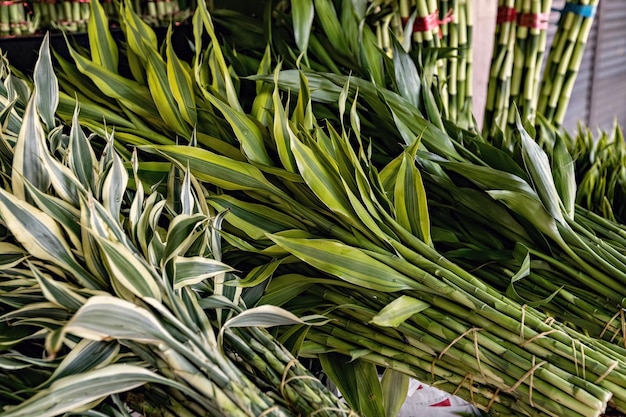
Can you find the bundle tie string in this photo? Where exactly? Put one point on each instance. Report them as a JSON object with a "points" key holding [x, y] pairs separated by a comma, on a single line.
{"points": [[534, 20], [269, 411], [286, 380], [530, 373], [584, 10], [474, 330], [506, 14], [528, 20], [607, 372], [430, 22], [492, 400], [350, 413], [468, 377], [608, 324]]}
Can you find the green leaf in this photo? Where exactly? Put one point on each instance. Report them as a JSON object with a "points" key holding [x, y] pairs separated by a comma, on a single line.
{"points": [[248, 133], [410, 200], [358, 381], [531, 208], [46, 91], [260, 274], [262, 104], [321, 175], [395, 388], [139, 35], [231, 92], [218, 170], [538, 167], [345, 262], [256, 220], [181, 84], [406, 75], [398, 311], [329, 20], [285, 288], [302, 14], [564, 172], [159, 84], [283, 135], [103, 48], [129, 93], [371, 56]]}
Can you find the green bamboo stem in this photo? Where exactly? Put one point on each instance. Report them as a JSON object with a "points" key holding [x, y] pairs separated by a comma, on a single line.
{"points": [[452, 38], [574, 67], [381, 345], [499, 86], [5, 20], [491, 354], [523, 7]]}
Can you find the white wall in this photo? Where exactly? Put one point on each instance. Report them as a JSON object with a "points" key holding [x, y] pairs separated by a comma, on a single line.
{"points": [[485, 12]]}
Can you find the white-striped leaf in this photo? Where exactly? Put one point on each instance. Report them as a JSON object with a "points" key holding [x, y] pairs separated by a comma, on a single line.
{"points": [[193, 270], [80, 156], [41, 236], [105, 317], [84, 356], [181, 234], [114, 186], [128, 270], [11, 255], [72, 392], [28, 153], [57, 292], [46, 92]]}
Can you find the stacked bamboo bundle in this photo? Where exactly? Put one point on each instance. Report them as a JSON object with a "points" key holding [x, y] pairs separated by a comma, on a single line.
{"points": [[17, 19]]}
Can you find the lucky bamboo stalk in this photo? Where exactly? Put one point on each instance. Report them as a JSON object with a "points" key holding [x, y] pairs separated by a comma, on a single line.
{"points": [[564, 59]]}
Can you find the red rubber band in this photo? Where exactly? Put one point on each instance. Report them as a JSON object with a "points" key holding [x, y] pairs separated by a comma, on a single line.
{"points": [[430, 22], [506, 14], [534, 20]]}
